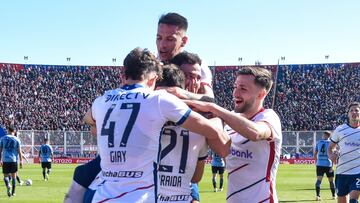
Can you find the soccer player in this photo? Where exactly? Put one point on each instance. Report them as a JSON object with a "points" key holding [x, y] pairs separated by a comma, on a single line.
{"points": [[217, 167], [323, 165], [9, 154], [24, 157], [171, 38], [46, 156], [183, 152], [256, 138], [129, 121], [347, 138]]}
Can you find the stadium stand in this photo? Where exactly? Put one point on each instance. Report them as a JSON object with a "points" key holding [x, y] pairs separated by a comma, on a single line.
{"points": [[49, 97]]}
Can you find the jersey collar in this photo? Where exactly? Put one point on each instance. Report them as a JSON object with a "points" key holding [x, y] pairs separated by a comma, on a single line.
{"points": [[261, 110], [130, 87]]}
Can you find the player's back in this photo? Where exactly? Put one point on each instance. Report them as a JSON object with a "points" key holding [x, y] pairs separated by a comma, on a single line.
{"points": [[45, 153], [217, 160], [10, 146], [180, 152], [129, 121], [322, 157]]}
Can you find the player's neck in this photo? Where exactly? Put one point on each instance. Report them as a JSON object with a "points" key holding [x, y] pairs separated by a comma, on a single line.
{"points": [[130, 82], [354, 124], [249, 115]]}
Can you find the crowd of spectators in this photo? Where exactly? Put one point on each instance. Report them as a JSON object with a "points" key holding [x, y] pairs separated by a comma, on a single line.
{"points": [[306, 97], [315, 97], [45, 97]]}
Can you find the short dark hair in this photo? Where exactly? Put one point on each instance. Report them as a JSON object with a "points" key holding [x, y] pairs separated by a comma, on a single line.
{"points": [[186, 58], [46, 139], [263, 77], [11, 129], [353, 104], [328, 133], [139, 62], [172, 76], [174, 19]]}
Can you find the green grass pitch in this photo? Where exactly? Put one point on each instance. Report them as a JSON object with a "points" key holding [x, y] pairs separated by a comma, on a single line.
{"points": [[295, 183]]}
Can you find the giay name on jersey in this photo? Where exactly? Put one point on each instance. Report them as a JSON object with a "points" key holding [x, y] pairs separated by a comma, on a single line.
{"points": [[118, 156]]}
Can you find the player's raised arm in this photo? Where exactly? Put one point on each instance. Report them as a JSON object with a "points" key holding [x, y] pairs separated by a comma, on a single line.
{"points": [[252, 130], [221, 145], [198, 124]]}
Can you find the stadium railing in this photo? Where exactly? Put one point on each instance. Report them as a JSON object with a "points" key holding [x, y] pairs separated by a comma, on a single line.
{"points": [[296, 144]]}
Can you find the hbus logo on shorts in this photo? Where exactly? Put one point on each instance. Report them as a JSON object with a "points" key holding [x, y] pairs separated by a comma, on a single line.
{"points": [[242, 154], [174, 198], [122, 174]]}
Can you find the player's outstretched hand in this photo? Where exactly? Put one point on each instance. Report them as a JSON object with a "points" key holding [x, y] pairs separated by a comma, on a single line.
{"points": [[177, 91], [199, 105], [21, 165]]}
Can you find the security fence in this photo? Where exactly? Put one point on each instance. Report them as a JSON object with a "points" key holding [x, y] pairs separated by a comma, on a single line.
{"points": [[83, 144]]}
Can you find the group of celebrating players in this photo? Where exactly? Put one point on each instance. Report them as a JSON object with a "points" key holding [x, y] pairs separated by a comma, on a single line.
{"points": [[154, 131], [153, 146]]}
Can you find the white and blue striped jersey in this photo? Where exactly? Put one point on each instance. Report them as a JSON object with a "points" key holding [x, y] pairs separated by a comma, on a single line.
{"points": [[180, 152], [252, 166], [322, 156], [45, 153], [129, 121], [348, 140], [10, 146]]}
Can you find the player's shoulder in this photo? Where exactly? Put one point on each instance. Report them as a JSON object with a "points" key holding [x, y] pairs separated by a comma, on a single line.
{"points": [[164, 95], [322, 142], [17, 139], [270, 116], [270, 112], [108, 93], [341, 127]]}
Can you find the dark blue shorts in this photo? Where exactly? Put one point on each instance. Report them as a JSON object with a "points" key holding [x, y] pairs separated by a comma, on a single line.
{"points": [[88, 196], [85, 174], [217, 169], [10, 167], [46, 165], [321, 170], [347, 183]]}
